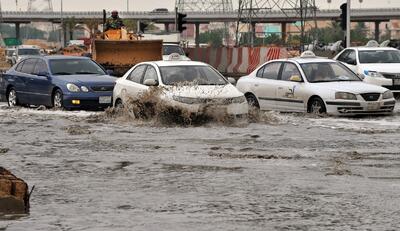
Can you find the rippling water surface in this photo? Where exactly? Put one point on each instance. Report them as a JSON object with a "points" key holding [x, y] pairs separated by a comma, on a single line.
{"points": [[286, 172]]}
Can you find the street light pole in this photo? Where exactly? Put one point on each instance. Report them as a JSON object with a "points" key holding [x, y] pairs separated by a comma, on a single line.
{"points": [[348, 23], [62, 37]]}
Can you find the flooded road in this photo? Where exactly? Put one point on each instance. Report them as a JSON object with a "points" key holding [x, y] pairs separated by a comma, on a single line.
{"points": [[292, 172]]}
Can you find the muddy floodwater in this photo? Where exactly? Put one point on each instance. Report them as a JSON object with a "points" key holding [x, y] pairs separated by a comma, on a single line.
{"points": [[287, 172]]}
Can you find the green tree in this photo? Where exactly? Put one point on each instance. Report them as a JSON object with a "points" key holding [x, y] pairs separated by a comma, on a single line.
{"points": [[359, 33], [329, 34], [212, 37], [131, 25], [69, 25]]}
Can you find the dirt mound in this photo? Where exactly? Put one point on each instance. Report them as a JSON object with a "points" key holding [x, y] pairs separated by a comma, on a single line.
{"points": [[14, 197]]}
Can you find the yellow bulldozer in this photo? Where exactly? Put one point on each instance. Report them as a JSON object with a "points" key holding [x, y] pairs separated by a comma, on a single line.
{"points": [[118, 50]]}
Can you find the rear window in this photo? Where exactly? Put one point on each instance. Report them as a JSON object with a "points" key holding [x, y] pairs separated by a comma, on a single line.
{"points": [[28, 51], [169, 49]]}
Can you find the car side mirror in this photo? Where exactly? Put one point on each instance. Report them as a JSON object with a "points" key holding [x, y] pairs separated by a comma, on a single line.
{"points": [[362, 76], [150, 82], [352, 62], [295, 78], [43, 73], [110, 72], [232, 80]]}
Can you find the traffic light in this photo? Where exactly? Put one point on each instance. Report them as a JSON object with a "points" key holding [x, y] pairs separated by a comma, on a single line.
{"points": [[142, 27], [343, 16], [181, 21]]}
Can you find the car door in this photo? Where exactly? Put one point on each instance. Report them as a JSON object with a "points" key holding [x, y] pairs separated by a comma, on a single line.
{"points": [[17, 79], [29, 96], [290, 94], [40, 83], [131, 87], [265, 85]]}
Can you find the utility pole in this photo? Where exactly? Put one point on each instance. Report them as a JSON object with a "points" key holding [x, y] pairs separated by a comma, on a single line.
{"points": [[127, 5], [348, 23], [63, 34]]}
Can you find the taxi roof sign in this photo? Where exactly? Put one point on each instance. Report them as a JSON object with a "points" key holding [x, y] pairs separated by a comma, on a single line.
{"points": [[372, 43], [174, 57], [308, 54]]}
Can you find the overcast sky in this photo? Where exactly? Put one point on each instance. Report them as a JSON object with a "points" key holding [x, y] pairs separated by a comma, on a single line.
{"points": [[146, 5]]}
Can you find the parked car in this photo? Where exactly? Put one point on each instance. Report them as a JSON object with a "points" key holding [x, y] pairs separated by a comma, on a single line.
{"points": [[160, 11], [25, 51], [314, 85], [9, 55], [58, 81], [376, 65], [171, 48], [194, 86]]}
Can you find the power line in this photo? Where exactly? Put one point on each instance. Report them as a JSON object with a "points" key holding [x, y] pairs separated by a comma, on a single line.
{"points": [[250, 10]]}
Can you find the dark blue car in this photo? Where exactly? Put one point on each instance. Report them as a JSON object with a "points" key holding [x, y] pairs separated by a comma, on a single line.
{"points": [[59, 82]]}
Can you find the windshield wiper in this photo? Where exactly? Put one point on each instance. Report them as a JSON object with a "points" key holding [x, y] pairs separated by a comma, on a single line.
{"points": [[323, 81], [86, 73], [62, 73]]}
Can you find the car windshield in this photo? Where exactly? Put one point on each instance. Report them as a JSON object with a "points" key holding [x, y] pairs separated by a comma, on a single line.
{"points": [[75, 67], [379, 56], [169, 49], [28, 52], [191, 75], [328, 72]]}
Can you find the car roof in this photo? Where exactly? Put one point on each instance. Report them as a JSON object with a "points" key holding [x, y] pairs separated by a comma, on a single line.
{"points": [[178, 63], [59, 57], [373, 48], [301, 60], [171, 44]]}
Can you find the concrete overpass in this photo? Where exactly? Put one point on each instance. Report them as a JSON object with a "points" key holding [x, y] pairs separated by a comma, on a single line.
{"points": [[197, 18], [364, 15]]}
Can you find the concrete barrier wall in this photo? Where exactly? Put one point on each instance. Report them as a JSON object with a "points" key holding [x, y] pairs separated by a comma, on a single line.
{"points": [[236, 60]]}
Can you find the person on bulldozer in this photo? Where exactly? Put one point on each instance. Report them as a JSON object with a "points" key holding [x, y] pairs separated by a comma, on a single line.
{"points": [[114, 22]]}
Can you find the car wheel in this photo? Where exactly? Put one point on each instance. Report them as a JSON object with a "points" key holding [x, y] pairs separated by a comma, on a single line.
{"points": [[58, 99], [12, 98], [317, 106], [252, 101], [119, 104]]}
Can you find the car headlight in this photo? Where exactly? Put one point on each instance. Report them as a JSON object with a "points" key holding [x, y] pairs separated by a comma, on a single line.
{"points": [[72, 87], [240, 99], [374, 74], [388, 95], [84, 89], [345, 96]]}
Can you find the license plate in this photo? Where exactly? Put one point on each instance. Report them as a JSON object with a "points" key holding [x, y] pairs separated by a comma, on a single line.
{"points": [[396, 81], [104, 99], [373, 106]]}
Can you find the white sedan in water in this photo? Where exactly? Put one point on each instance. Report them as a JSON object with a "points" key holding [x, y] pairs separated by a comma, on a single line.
{"points": [[315, 85], [376, 65], [194, 86]]}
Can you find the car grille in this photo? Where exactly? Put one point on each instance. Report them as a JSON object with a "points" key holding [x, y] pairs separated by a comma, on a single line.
{"points": [[391, 75], [218, 101], [102, 88], [371, 96]]}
